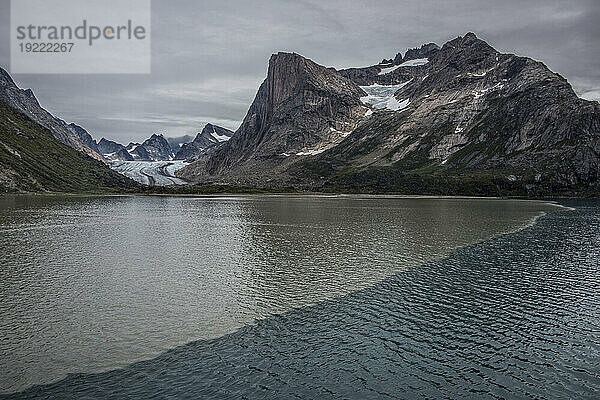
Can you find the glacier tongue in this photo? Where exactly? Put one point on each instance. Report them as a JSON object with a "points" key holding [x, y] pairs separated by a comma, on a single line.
{"points": [[152, 173]]}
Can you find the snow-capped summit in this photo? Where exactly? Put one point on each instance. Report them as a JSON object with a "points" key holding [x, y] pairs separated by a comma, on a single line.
{"points": [[204, 143], [155, 148]]}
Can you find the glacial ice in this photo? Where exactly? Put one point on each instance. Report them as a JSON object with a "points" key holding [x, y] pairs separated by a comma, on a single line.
{"points": [[382, 97], [159, 173]]}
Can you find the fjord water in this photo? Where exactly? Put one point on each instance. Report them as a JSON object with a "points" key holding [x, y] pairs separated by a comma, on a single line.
{"points": [[315, 296]]}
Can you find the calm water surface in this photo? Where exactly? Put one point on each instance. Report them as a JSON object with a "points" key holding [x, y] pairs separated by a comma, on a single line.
{"points": [[264, 297]]}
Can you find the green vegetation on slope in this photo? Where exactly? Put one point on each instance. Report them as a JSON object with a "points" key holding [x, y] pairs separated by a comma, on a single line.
{"points": [[32, 160]]}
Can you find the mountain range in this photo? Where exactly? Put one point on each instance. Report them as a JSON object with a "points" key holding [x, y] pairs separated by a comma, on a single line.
{"points": [[159, 148], [33, 160], [56, 156], [155, 148], [462, 118]]}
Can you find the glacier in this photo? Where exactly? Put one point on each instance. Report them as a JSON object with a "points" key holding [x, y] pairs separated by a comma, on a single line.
{"points": [[152, 173]]}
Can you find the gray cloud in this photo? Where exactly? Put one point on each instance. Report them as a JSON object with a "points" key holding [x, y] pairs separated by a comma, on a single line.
{"points": [[208, 57]]}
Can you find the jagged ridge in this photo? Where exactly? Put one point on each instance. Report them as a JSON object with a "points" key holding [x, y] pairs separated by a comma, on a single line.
{"points": [[467, 113], [25, 101]]}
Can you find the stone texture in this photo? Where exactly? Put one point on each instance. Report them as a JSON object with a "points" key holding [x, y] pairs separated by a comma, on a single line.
{"points": [[473, 111], [300, 107]]}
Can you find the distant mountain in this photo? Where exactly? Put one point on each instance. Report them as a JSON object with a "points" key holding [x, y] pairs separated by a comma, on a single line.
{"points": [[108, 146], [25, 101], [81, 134], [159, 148], [211, 137], [177, 142], [155, 148], [460, 119], [33, 160], [113, 151]]}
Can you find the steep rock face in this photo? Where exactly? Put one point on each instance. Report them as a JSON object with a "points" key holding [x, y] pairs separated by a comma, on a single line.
{"points": [[466, 119], [205, 143], [25, 101], [301, 107]]}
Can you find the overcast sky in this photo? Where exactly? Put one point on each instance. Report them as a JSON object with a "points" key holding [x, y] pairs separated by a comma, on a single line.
{"points": [[209, 57]]}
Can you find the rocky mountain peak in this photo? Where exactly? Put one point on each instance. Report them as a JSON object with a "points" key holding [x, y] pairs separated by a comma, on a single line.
{"points": [[463, 112], [29, 93], [284, 73], [155, 148], [209, 129], [214, 133], [466, 54], [470, 36], [289, 74], [428, 50], [468, 42], [206, 142]]}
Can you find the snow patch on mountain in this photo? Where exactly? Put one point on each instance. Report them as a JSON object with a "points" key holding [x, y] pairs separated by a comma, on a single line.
{"points": [[409, 63], [387, 70], [382, 96], [309, 152], [343, 133], [219, 138], [415, 63]]}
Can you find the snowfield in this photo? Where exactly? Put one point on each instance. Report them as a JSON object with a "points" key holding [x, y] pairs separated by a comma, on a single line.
{"points": [[409, 63], [415, 63], [382, 97], [152, 173], [310, 152], [219, 138]]}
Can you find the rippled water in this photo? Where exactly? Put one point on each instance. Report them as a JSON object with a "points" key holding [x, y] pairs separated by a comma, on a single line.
{"points": [[513, 316]]}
